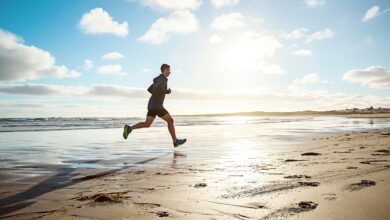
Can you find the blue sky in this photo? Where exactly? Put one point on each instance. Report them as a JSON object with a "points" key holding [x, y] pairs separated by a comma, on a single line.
{"points": [[225, 55]]}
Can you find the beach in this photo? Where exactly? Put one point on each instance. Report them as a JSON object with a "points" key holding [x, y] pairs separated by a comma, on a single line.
{"points": [[192, 109], [231, 168]]}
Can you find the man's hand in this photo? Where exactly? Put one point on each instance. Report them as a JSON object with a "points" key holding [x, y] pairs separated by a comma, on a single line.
{"points": [[169, 91]]}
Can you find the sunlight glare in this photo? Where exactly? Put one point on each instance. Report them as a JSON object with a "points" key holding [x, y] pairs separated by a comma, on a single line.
{"points": [[248, 52]]}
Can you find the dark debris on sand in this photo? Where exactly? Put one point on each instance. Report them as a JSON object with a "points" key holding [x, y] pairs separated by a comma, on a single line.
{"points": [[307, 205], [303, 206], [297, 177], [292, 160], [361, 185], [310, 154], [372, 161], [342, 152], [314, 184], [284, 213], [162, 214], [383, 151], [114, 197], [200, 185]]}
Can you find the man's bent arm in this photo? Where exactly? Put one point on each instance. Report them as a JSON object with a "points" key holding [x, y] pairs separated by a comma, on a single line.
{"points": [[161, 87]]}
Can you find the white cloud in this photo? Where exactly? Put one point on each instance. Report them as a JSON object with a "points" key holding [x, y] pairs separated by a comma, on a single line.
{"points": [[228, 21], [98, 21], [22, 62], [312, 78], [172, 4], [88, 64], [320, 35], [315, 3], [296, 34], [154, 37], [111, 96], [295, 97], [113, 56], [100, 90], [373, 77], [371, 13], [111, 69], [221, 3], [214, 39], [42, 89], [108, 90], [303, 52], [181, 21]]}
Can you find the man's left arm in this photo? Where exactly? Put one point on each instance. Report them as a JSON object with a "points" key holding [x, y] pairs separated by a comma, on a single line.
{"points": [[168, 91]]}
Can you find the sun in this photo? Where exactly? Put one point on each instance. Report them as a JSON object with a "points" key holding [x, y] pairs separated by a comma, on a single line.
{"points": [[249, 52]]}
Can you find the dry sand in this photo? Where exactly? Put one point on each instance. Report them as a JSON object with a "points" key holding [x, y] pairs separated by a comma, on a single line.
{"points": [[338, 176]]}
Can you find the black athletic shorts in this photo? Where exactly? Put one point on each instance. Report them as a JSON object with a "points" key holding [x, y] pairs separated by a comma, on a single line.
{"points": [[158, 112]]}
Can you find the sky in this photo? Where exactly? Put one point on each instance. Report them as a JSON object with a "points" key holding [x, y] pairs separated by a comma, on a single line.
{"points": [[96, 58]]}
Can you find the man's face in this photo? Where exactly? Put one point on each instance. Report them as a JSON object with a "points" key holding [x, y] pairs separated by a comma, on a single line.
{"points": [[167, 72]]}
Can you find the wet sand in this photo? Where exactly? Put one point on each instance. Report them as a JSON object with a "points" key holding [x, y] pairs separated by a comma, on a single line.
{"points": [[335, 176]]}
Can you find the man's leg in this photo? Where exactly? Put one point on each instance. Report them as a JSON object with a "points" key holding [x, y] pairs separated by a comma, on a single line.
{"points": [[127, 129], [149, 120], [168, 118]]}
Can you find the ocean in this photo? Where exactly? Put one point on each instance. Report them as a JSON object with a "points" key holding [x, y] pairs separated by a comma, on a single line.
{"points": [[37, 146]]}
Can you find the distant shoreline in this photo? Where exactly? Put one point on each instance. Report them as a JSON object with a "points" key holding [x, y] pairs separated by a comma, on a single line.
{"points": [[298, 113], [352, 113]]}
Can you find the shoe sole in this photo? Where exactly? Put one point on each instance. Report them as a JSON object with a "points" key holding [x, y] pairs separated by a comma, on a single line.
{"points": [[180, 144]]}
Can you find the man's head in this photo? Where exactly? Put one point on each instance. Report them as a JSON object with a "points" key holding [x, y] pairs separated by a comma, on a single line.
{"points": [[165, 70]]}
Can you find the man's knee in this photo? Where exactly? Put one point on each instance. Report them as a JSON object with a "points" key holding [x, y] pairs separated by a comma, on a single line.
{"points": [[170, 121], [147, 124]]}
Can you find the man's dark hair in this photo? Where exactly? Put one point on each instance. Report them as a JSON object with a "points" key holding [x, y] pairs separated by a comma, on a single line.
{"points": [[164, 66]]}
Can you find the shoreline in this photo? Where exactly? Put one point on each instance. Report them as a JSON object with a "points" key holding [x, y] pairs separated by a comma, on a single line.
{"points": [[259, 114], [333, 175]]}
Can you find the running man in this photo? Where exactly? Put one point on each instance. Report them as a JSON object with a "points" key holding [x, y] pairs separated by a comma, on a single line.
{"points": [[155, 107]]}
